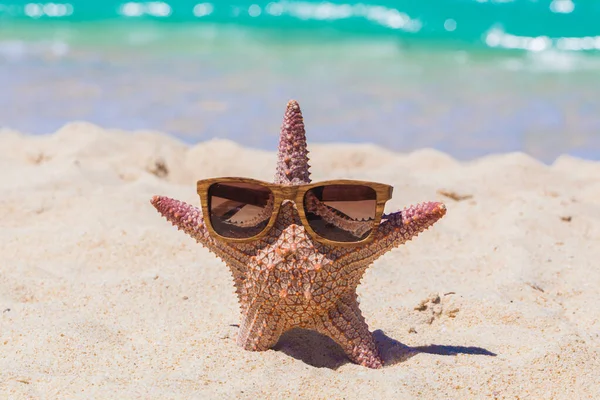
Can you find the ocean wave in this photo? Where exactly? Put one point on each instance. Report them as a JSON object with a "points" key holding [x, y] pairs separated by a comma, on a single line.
{"points": [[563, 25]]}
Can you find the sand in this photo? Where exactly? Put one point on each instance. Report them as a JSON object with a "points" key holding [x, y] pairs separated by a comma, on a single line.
{"points": [[100, 297]]}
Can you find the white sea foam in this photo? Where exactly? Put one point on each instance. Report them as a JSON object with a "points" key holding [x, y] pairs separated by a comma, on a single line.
{"points": [[498, 38], [380, 15]]}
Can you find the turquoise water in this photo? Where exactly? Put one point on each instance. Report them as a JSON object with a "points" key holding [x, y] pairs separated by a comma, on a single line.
{"points": [[469, 77], [464, 21]]}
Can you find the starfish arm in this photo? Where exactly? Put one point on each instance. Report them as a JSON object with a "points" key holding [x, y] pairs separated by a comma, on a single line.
{"points": [[347, 327], [292, 159], [190, 220], [396, 229], [260, 329], [400, 227]]}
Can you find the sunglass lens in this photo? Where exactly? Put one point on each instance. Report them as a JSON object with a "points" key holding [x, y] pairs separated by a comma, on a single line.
{"points": [[239, 210], [342, 213]]}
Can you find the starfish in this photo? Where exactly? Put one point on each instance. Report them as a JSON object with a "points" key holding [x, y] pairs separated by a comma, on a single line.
{"points": [[287, 280]]}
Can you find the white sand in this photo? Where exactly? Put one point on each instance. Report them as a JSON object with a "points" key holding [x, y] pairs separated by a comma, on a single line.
{"points": [[100, 297]]}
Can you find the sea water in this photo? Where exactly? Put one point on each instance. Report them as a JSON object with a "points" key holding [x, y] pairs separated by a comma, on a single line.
{"points": [[469, 77]]}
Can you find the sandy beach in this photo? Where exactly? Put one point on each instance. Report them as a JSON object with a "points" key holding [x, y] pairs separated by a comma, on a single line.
{"points": [[100, 297]]}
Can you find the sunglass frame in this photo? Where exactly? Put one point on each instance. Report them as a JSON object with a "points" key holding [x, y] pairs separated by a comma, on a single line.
{"points": [[296, 194]]}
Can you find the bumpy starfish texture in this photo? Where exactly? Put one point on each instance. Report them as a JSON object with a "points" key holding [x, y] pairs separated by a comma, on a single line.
{"points": [[286, 279]]}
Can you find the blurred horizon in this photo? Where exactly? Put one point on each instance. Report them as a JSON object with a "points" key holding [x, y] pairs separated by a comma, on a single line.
{"points": [[468, 77]]}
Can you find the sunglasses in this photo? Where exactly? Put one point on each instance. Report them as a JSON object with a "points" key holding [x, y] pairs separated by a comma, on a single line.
{"points": [[341, 212]]}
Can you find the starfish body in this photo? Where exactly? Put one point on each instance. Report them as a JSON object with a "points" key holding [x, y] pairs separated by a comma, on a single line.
{"points": [[286, 279]]}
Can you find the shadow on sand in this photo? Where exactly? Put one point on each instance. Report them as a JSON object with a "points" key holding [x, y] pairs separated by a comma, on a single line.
{"points": [[322, 352]]}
